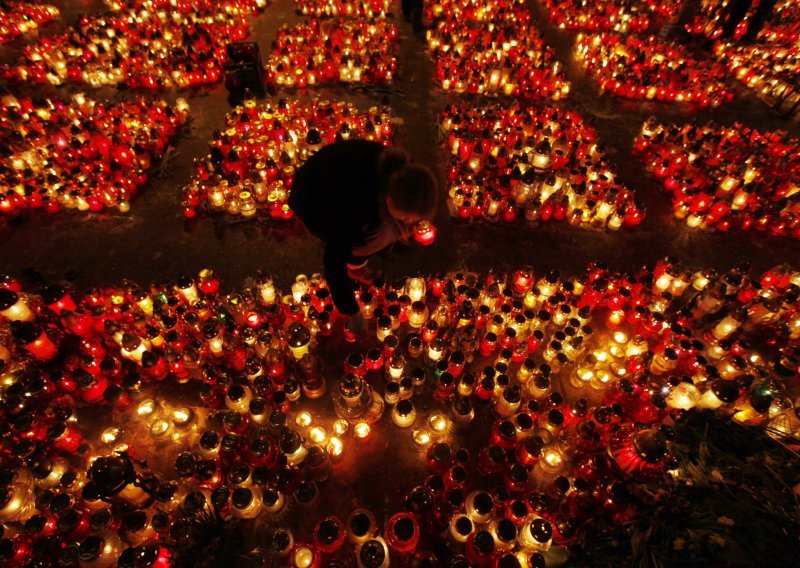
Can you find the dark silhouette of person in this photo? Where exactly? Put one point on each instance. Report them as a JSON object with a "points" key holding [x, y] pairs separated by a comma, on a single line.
{"points": [[736, 11], [359, 197]]}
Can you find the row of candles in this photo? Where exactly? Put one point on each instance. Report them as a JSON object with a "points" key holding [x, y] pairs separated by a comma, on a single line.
{"points": [[618, 16], [769, 65], [651, 68], [542, 164], [81, 154], [768, 69], [18, 19], [494, 52], [324, 51], [370, 9], [152, 46], [582, 379], [251, 163], [475, 12], [726, 176], [232, 7], [712, 15], [784, 24]]}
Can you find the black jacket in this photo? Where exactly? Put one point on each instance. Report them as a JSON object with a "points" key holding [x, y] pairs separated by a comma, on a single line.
{"points": [[338, 194]]}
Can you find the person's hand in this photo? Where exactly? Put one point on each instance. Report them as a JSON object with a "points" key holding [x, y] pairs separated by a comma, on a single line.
{"points": [[356, 325]]}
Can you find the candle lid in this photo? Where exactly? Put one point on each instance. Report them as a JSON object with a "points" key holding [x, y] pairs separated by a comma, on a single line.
{"points": [[508, 560], [147, 554], [306, 491], [270, 497], [506, 530], [404, 528], [350, 385], [484, 542], [69, 556], [483, 503], [328, 531], [241, 497], [25, 332], [419, 500], [372, 554], [464, 525], [298, 335], [68, 521], [541, 530], [281, 540], [110, 474], [90, 548], [7, 298], [441, 452], [128, 558], [726, 391]]}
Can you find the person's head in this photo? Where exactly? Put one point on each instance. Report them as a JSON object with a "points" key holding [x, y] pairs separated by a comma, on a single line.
{"points": [[411, 194]]}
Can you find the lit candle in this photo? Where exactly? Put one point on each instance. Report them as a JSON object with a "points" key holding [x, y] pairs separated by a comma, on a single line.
{"points": [[437, 424], [183, 418], [13, 306], [361, 431], [404, 414], [421, 438]]}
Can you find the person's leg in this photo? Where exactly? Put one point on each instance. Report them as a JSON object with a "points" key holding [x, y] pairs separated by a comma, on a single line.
{"points": [[358, 270], [416, 14], [759, 18], [407, 6]]}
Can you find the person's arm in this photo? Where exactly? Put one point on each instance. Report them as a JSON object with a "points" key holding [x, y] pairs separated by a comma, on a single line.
{"points": [[334, 261]]}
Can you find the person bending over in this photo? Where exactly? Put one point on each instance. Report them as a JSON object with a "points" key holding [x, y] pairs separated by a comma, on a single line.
{"points": [[359, 197]]}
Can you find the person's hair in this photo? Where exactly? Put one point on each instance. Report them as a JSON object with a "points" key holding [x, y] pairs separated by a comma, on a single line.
{"points": [[413, 189], [392, 159]]}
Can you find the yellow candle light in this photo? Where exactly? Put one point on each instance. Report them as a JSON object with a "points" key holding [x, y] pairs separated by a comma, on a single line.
{"points": [[437, 424], [304, 419], [421, 438], [148, 408], [14, 307], [183, 418], [340, 426], [111, 435], [317, 434], [361, 431], [335, 447]]}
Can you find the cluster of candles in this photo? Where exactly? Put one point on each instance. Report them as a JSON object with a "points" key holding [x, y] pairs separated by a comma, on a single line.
{"points": [[251, 163], [726, 176], [564, 389], [473, 10], [325, 51], [541, 164], [770, 70], [784, 24], [619, 16], [709, 19], [650, 68], [769, 66], [154, 46], [232, 7], [493, 49], [81, 154], [344, 8], [19, 19]]}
